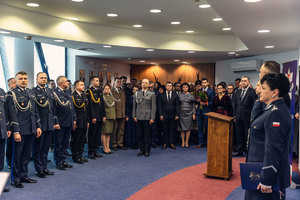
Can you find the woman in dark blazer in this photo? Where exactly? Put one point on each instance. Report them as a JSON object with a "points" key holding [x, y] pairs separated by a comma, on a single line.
{"points": [[221, 102]]}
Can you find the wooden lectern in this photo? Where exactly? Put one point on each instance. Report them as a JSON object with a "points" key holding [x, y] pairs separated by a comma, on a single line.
{"points": [[219, 145]]}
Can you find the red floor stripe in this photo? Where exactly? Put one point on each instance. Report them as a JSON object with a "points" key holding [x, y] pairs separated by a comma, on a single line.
{"points": [[190, 183]]}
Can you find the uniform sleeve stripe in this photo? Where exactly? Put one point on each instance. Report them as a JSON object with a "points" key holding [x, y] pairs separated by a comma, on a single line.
{"points": [[270, 166]]}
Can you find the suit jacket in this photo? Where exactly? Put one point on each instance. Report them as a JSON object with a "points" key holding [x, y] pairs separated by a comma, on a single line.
{"points": [[48, 112], [24, 122], [168, 109], [96, 104], [82, 109], [4, 123], [64, 108], [210, 97], [144, 106], [242, 110], [120, 105], [269, 143]]}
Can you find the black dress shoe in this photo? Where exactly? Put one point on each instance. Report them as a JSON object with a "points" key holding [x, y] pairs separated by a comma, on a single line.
{"points": [[98, 155], [6, 190], [60, 167], [172, 146], [67, 165], [17, 184], [47, 172], [114, 148], [106, 152], [141, 153], [164, 146], [147, 154], [84, 159], [92, 157], [236, 154], [41, 174], [28, 180], [68, 154], [79, 161]]}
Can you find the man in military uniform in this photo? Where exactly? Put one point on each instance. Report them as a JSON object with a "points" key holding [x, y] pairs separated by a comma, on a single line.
{"points": [[96, 115], [81, 103], [143, 113], [117, 136], [25, 123], [4, 130], [47, 111], [67, 120]]}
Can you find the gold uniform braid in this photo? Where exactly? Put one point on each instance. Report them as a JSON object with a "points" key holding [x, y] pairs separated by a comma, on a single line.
{"points": [[92, 96], [82, 105]]}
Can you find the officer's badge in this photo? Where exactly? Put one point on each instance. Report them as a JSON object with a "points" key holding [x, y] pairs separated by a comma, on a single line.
{"points": [[254, 176], [22, 104], [63, 102], [274, 108], [41, 101]]}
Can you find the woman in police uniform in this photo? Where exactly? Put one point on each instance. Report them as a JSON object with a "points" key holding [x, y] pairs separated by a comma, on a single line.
{"points": [[108, 125], [269, 139]]}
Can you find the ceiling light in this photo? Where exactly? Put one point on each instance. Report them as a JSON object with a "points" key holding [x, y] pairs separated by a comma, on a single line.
{"points": [[5, 32], [77, 0], [73, 18], [155, 11], [204, 6], [226, 29], [191, 51], [142, 61], [252, 1], [217, 19], [32, 5], [176, 60], [106, 46], [150, 50], [189, 31], [269, 47], [112, 15], [263, 31], [58, 40], [231, 53], [153, 63], [137, 26], [175, 23], [185, 62]]}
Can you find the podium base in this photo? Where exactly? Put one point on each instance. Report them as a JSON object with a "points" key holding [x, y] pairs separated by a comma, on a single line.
{"points": [[225, 177]]}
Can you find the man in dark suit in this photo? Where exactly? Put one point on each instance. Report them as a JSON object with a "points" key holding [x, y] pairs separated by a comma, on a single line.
{"points": [[67, 120], [47, 110], [79, 137], [206, 108], [4, 130], [168, 109], [242, 105], [143, 113], [25, 124]]}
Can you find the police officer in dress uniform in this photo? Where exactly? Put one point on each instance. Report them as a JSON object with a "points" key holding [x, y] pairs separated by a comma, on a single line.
{"points": [[47, 111], [269, 140], [25, 124], [67, 120], [96, 114], [81, 104], [4, 129]]}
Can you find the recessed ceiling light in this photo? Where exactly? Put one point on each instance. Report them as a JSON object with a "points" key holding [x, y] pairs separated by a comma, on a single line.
{"points": [[142, 61], [217, 19], [155, 10], [226, 29], [252, 1], [191, 51], [269, 47], [204, 6], [176, 60], [32, 5], [106, 46], [73, 18], [231, 53], [175, 23], [137, 26], [112, 15], [5, 32], [150, 50], [263, 31], [77, 0], [189, 31], [58, 40]]}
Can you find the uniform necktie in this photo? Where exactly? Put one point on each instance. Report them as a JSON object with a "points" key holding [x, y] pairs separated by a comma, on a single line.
{"points": [[143, 93], [169, 96]]}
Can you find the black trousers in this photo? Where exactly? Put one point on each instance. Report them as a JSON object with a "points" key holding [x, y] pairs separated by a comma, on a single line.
{"points": [[62, 137], [168, 131], [9, 149], [21, 157], [144, 134], [41, 149], [2, 152], [94, 137], [257, 195], [242, 135], [78, 142]]}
